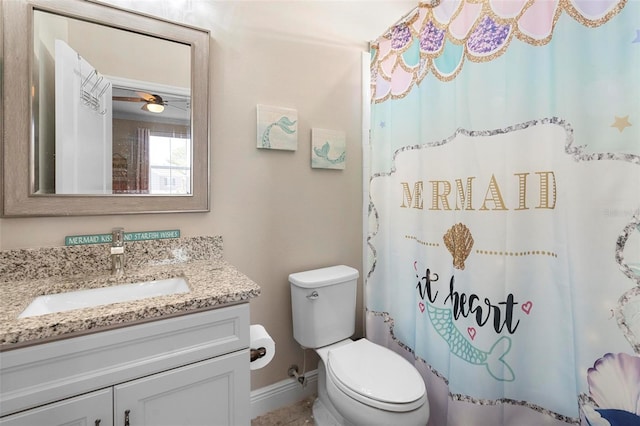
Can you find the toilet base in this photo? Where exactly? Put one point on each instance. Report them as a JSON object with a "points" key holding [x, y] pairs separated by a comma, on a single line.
{"points": [[322, 416], [324, 413]]}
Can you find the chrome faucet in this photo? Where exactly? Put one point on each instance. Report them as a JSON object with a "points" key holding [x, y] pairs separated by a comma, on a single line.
{"points": [[117, 251]]}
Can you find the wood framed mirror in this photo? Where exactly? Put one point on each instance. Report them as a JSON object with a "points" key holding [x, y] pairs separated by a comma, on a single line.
{"points": [[105, 111]]}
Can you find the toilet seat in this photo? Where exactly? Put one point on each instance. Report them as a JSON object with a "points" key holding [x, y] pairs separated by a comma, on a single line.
{"points": [[376, 376]]}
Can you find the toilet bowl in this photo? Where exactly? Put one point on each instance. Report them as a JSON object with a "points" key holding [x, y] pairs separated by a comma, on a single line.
{"points": [[359, 382]]}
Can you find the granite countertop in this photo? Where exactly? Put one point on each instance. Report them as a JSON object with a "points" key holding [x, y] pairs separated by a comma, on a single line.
{"points": [[213, 283]]}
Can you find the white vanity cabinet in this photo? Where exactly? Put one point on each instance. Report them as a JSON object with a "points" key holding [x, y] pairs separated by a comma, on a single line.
{"points": [[92, 409], [200, 394], [186, 370]]}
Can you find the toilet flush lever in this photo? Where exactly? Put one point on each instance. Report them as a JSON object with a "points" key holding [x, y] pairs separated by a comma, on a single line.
{"points": [[313, 296]]}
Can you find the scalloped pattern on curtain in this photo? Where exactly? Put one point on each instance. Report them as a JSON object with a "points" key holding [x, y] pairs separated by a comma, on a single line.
{"points": [[439, 38]]}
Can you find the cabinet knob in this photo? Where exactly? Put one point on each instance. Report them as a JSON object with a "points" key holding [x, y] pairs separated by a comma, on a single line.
{"points": [[98, 422], [126, 417]]}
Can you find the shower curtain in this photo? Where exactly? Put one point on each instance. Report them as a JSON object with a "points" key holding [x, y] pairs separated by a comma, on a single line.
{"points": [[504, 208]]}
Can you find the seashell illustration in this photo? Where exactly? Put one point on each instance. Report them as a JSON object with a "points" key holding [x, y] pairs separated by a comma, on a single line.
{"points": [[614, 383], [459, 241]]}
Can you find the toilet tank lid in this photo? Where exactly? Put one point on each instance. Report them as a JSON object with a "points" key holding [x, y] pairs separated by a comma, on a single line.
{"points": [[323, 276]]}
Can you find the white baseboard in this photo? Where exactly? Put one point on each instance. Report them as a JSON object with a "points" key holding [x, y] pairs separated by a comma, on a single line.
{"points": [[282, 393]]}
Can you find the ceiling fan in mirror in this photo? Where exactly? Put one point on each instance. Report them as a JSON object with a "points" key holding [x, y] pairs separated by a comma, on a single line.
{"points": [[154, 102], [151, 104]]}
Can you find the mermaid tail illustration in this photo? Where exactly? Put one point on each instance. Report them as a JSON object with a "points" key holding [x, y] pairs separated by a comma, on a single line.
{"points": [[324, 153], [462, 348], [285, 124]]}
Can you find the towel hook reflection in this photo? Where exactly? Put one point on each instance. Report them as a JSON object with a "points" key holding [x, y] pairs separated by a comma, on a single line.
{"points": [[94, 97]]}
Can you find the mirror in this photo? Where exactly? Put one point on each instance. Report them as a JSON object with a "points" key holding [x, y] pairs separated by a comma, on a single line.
{"points": [[113, 116]]}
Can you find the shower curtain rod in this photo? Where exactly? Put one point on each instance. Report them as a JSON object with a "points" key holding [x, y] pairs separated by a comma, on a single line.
{"points": [[399, 21], [403, 19]]}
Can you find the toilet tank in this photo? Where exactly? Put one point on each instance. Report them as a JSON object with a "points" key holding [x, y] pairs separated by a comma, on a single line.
{"points": [[323, 303]]}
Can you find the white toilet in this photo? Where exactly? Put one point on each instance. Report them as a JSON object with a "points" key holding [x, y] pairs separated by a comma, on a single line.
{"points": [[359, 382]]}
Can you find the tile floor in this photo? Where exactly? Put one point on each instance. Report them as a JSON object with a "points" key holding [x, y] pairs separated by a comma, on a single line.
{"points": [[298, 414]]}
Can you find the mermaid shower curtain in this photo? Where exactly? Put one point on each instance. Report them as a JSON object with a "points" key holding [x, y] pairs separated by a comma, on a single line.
{"points": [[504, 239]]}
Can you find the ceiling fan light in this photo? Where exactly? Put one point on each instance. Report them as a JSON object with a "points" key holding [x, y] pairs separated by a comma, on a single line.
{"points": [[151, 107]]}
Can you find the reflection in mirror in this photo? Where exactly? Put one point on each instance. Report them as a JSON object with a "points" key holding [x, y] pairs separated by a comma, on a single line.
{"points": [[120, 67], [112, 109]]}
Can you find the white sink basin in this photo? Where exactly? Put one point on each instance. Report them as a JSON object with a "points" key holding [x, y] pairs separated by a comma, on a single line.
{"points": [[62, 302]]}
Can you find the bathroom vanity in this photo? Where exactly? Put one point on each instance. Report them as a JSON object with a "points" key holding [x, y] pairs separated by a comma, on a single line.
{"points": [[180, 359], [187, 370]]}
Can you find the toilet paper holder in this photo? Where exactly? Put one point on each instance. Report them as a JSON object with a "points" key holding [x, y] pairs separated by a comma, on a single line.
{"points": [[257, 353], [262, 348]]}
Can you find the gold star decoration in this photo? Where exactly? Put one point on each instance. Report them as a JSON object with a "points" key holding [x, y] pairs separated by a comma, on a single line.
{"points": [[621, 123]]}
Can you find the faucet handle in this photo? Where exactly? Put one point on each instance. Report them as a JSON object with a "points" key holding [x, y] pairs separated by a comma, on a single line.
{"points": [[117, 237], [117, 251]]}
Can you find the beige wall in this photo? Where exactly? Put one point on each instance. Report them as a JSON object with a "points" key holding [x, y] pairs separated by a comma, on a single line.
{"points": [[275, 213]]}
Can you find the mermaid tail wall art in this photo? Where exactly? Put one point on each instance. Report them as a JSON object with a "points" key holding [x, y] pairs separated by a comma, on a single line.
{"points": [[329, 149], [277, 128]]}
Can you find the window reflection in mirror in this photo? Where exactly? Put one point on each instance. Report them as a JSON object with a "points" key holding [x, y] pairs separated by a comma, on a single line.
{"points": [[96, 116], [169, 166]]}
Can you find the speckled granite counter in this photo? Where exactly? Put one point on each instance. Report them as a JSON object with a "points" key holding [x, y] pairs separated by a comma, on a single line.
{"points": [[28, 273]]}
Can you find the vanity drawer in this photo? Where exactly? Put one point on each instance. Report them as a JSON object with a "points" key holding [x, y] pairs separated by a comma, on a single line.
{"points": [[48, 372]]}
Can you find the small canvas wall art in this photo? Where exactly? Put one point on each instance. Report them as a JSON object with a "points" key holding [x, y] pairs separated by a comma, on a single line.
{"points": [[328, 149], [277, 128]]}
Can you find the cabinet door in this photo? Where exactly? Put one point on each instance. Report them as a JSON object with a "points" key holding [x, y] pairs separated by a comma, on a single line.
{"points": [[92, 409], [211, 392]]}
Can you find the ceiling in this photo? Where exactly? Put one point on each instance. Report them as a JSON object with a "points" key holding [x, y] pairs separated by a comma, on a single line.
{"points": [[334, 21]]}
